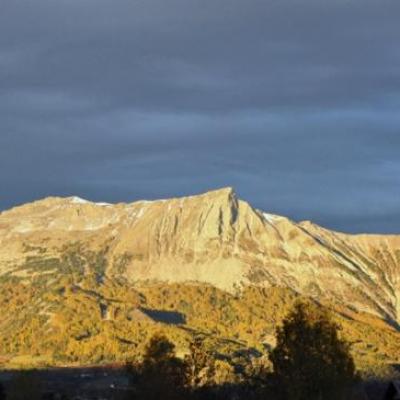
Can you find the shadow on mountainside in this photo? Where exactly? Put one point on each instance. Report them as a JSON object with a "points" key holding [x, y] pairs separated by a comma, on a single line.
{"points": [[166, 317]]}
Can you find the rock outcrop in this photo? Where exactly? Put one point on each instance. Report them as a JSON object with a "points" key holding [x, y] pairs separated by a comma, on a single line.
{"points": [[213, 238]]}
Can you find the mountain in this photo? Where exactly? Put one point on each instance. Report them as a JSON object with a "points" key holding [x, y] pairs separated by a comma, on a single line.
{"points": [[152, 262]]}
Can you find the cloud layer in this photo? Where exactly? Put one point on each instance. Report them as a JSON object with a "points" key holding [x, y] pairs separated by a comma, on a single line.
{"points": [[294, 103]]}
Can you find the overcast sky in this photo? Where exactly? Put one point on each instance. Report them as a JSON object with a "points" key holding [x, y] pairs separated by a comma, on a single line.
{"points": [[296, 104]]}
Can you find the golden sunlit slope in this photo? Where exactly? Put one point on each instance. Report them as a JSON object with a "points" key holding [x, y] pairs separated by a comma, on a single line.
{"points": [[62, 258], [213, 238]]}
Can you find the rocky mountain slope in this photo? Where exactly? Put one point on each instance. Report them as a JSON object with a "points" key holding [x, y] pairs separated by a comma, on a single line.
{"points": [[213, 239]]}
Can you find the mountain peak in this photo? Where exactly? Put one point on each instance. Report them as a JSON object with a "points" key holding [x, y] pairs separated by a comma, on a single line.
{"points": [[224, 191], [214, 238], [227, 192]]}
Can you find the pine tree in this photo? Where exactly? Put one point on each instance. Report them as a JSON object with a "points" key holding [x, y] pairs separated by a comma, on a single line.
{"points": [[161, 375], [310, 361]]}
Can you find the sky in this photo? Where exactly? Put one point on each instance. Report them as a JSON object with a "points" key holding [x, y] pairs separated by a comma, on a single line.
{"points": [[294, 103]]}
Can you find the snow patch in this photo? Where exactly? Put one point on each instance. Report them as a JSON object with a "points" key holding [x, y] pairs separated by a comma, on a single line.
{"points": [[78, 200], [271, 218]]}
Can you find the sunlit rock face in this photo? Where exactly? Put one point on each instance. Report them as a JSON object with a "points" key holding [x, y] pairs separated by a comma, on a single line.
{"points": [[212, 238]]}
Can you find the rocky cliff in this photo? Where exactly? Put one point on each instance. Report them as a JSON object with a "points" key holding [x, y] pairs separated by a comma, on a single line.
{"points": [[212, 238]]}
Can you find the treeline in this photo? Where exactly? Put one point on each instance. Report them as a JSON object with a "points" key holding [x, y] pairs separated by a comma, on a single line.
{"points": [[309, 362]]}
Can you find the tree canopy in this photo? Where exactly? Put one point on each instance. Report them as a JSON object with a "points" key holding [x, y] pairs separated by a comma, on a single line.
{"points": [[162, 374], [310, 360]]}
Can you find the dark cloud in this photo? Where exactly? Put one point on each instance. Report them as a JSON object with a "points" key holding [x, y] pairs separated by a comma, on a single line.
{"points": [[295, 103]]}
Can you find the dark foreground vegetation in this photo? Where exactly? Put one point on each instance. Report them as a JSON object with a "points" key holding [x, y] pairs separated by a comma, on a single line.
{"points": [[309, 362]]}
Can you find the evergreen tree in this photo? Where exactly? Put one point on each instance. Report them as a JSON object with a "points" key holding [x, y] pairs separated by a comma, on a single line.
{"points": [[161, 375], [310, 361]]}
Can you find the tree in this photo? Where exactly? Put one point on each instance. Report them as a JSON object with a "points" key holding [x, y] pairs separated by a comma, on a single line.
{"points": [[158, 349], [161, 375], [310, 361], [200, 364]]}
